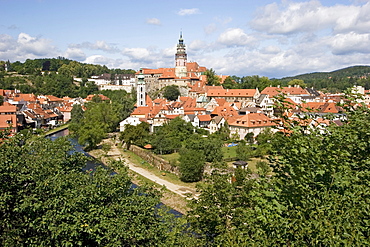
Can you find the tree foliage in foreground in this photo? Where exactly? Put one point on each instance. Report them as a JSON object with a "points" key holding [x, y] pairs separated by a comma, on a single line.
{"points": [[318, 195], [46, 200]]}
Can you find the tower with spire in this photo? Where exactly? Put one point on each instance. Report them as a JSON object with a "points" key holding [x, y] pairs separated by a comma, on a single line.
{"points": [[181, 59]]}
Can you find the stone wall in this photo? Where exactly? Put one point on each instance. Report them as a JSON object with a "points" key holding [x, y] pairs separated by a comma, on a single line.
{"points": [[154, 160]]}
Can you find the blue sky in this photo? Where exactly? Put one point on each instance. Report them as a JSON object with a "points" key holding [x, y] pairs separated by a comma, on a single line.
{"points": [[234, 37]]}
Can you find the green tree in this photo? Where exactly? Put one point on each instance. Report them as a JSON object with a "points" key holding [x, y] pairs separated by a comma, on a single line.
{"points": [[243, 151], [47, 201], [209, 146], [171, 92], [98, 119], [135, 134], [223, 133], [264, 140], [317, 196], [212, 78], [297, 82], [229, 83], [191, 165], [171, 136]]}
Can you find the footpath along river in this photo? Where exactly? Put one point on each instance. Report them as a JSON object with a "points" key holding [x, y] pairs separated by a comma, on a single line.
{"points": [[91, 165]]}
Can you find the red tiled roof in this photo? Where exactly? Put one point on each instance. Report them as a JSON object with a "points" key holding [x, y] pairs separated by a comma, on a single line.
{"points": [[225, 111], [26, 97], [8, 108], [65, 108], [253, 120], [273, 91], [5, 120], [231, 92], [172, 116], [204, 118], [103, 97], [53, 98], [148, 111], [194, 67]]}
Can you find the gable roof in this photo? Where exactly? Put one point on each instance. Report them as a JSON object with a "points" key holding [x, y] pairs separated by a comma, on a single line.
{"points": [[7, 120], [231, 92], [103, 97], [204, 118], [8, 109], [253, 120], [225, 111], [194, 67], [25, 97], [273, 91], [217, 119]]}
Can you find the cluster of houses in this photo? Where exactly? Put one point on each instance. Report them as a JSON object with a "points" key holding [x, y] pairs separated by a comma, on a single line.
{"points": [[19, 111], [246, 111]]}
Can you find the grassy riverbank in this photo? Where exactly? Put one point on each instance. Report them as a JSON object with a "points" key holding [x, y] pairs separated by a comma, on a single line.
{"points": [[169, 198], [57, 129]]}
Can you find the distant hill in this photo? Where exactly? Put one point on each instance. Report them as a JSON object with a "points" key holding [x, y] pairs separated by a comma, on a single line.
{"points": [[353, 71], [337, 80]]}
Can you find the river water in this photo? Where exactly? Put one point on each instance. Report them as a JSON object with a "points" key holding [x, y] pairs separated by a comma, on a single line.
{"points": [[91, 165]]}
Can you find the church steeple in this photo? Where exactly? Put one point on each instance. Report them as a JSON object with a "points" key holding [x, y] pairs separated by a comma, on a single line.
{"points": [[181, 58]]}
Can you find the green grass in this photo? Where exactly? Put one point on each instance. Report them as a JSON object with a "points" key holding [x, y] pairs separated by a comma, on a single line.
{"points": [[170, 157], [229, 152], [64, 126], [173, 178]]}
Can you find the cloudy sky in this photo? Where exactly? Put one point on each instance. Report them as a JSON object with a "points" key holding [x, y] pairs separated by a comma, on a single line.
{"points": [[234, 37]]}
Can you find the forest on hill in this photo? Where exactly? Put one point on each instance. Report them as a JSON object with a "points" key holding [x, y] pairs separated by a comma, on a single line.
{"points": [[337, 80], [331, 82], [53, 76]]}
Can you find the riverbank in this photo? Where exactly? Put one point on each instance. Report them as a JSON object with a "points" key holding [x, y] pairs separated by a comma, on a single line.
{"points": [[57, 129], [174, 195]]}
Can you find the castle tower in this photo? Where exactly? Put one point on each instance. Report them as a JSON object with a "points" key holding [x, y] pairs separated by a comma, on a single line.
{"points": [[181, 59], [141, 90]]}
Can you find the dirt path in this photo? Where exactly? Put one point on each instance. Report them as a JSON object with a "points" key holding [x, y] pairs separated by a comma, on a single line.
{"points": [[117, 154]]}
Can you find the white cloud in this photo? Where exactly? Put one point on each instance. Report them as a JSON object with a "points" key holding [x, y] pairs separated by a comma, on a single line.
{"points": [[153, 21], [7, 43], [75, 54], [211, 28], [343, 44], [98, 45], [198, 45], [271, 49], [137, 53], [99, 59], [192, 11], [35, 47], [25, 47], [295, 17], [236, 37]]}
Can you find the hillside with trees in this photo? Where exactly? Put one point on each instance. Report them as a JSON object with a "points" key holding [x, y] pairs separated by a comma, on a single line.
{"points": [[337, 80], [333, 82], [53, 76]]}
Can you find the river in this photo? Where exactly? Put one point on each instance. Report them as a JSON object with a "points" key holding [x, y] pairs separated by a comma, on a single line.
{"points": [[91, 165]]}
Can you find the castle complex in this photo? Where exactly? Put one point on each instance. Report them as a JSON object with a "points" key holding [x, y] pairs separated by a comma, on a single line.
{"points": [[185, 74]]}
